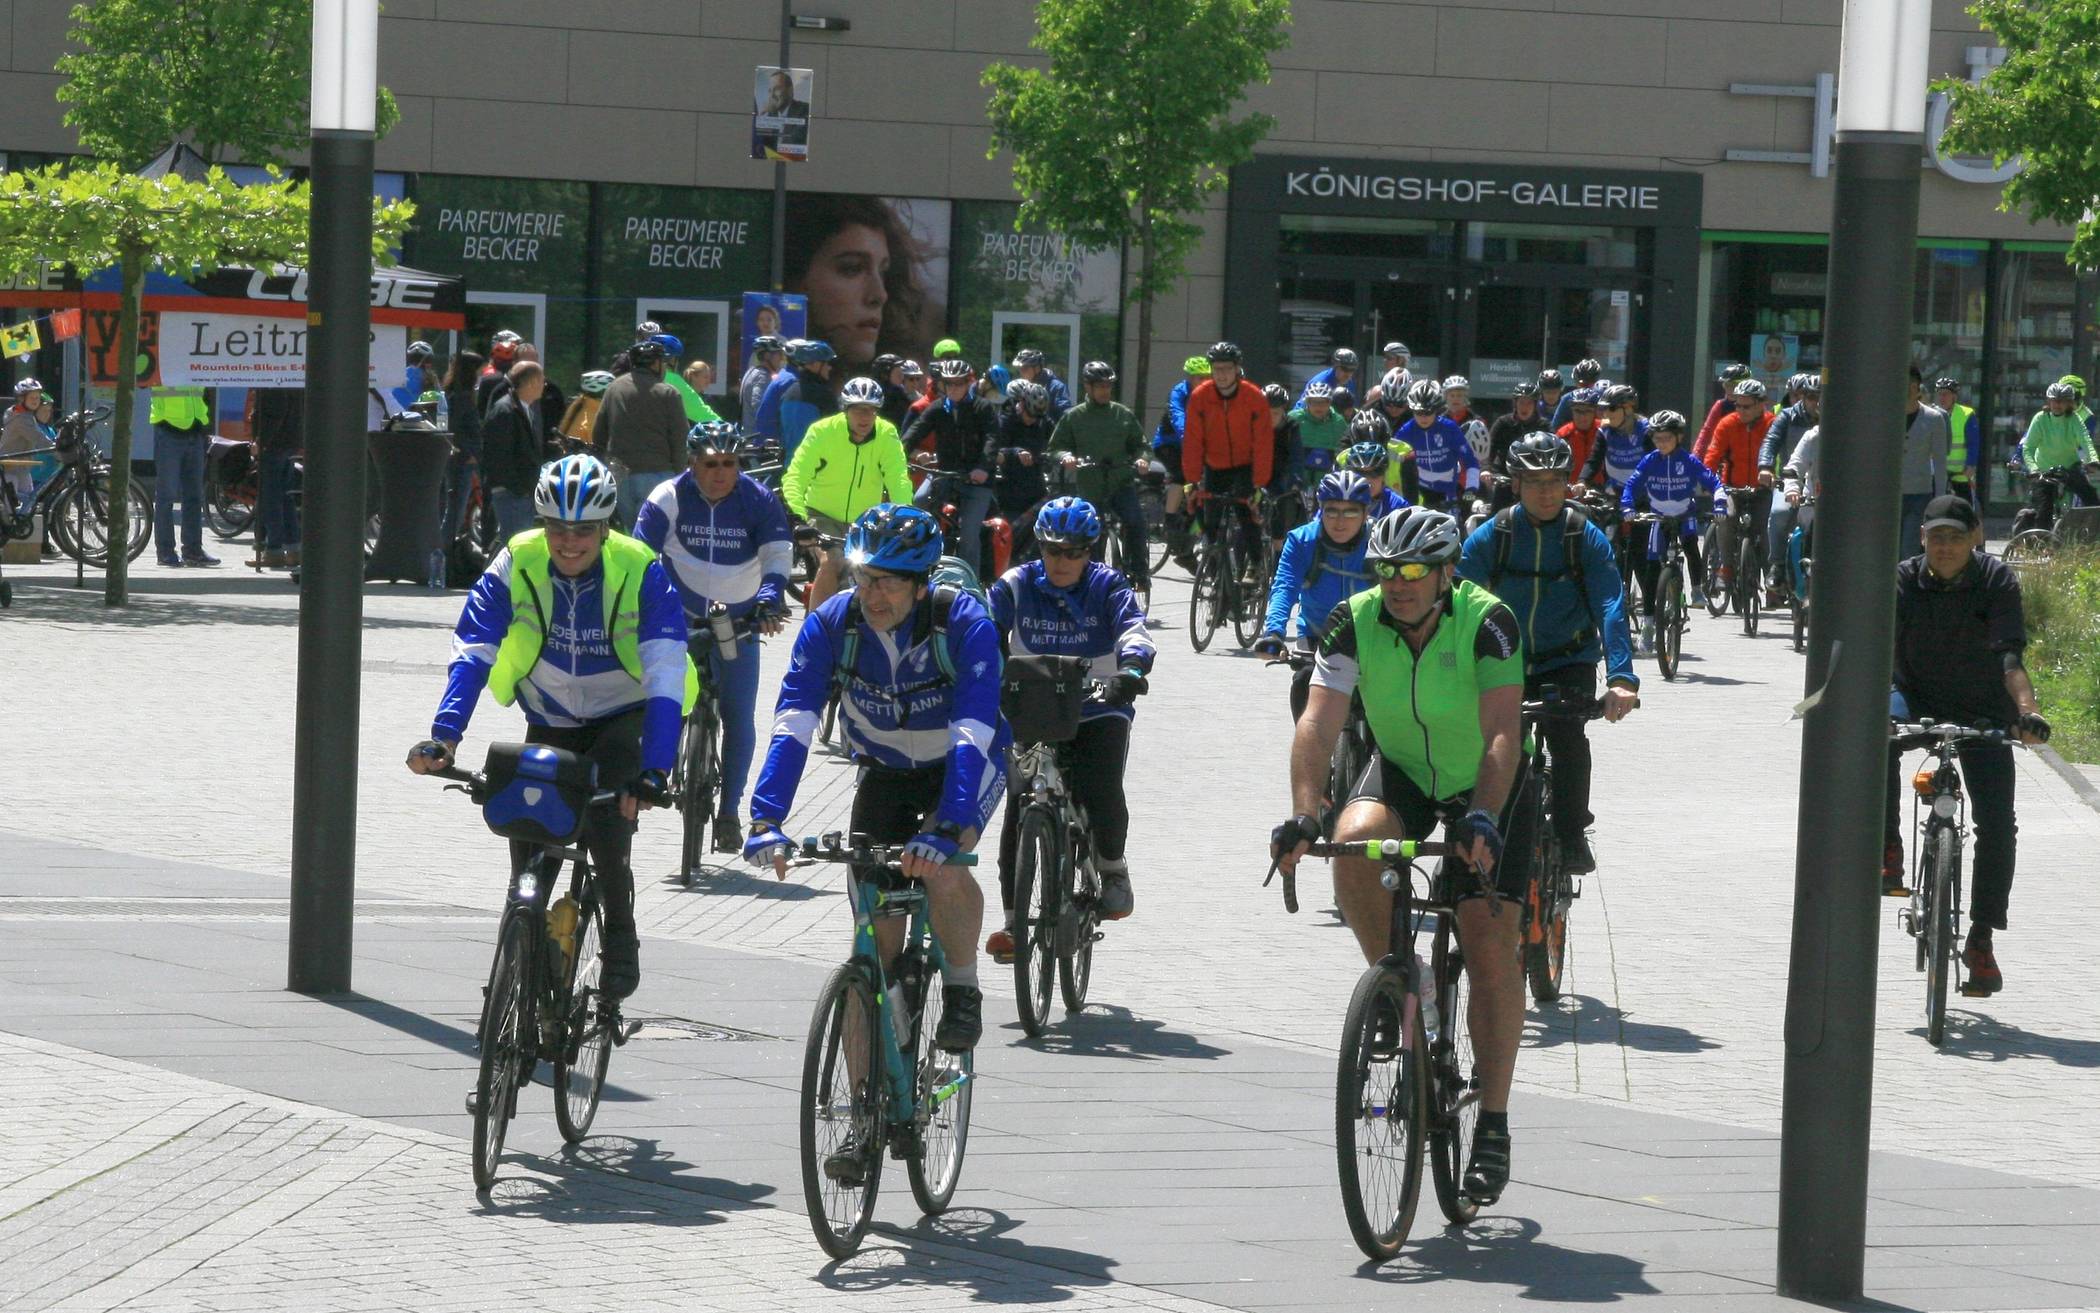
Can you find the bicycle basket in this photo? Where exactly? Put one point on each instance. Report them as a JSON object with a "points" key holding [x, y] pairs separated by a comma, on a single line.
{"points": [[536, 793], [1041, 696]]}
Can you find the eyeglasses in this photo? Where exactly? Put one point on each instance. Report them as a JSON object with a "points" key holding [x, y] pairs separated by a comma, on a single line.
{"points": [[891, 584], [1411, 571], [720, 463], [1061, 552], [1342, 511], [564, 529]]}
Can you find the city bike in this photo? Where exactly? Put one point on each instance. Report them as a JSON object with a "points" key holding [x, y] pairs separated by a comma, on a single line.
{"points": [[1057, 888], [696, 781], [872, 1076], [75, 500], [1228, 582], [1672, 587]]}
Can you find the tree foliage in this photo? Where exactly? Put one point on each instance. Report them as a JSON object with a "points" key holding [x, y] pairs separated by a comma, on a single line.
{"points": [[230, 76], [2039, 106], [1126, 131], [99, 216]]}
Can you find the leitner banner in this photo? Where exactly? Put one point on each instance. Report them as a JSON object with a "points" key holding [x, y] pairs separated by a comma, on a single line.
{"points": [[258, 351]]}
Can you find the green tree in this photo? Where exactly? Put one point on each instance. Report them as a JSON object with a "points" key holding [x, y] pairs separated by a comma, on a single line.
{"points": [[230, 76], [2038, 106], [1128, 129], [100, 216]]}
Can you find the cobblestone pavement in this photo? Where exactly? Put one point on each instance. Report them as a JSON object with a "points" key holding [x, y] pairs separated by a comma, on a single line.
{"points": [[169, 732]]}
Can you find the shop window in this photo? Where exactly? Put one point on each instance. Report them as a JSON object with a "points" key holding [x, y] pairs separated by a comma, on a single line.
{"points": [[1375, 238], [2035, 299], [1546, 243]]}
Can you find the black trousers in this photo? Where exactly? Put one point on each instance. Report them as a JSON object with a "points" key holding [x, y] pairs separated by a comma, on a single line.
{"points": [[1094, 773], [1987, 773], [1568, 745], [616, 745]]}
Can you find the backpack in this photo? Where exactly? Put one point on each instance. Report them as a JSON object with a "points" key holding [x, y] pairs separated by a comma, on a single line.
{"points": [[950, 577], [1574, 528]]}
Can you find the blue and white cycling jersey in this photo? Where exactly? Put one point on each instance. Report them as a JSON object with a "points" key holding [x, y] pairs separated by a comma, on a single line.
{"points": [[897, 709], [1670, 481], [1444, 460], [578, 680], [1385, 503], [1097, 618], [1313, 576], [736, 551], [1622, 451]]}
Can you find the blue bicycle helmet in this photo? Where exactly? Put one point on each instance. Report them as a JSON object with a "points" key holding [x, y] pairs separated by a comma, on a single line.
{"points": [[577, 489], [899, 539], [1068, 521], [808, 351], [671, 345], [1345, 485], [1367, 458], [717, 437]]}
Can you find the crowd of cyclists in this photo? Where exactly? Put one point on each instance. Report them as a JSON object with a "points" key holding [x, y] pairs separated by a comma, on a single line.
{"points": [[1434, 570]]}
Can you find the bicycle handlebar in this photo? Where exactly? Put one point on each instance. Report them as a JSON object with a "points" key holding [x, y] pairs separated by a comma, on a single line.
{"points": [[1944, 731], [476, 786], [831, 848]]}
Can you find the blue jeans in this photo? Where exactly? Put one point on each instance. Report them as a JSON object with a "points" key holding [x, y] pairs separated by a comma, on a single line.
{"points": [[973, 501], [276, 514], [178, 476], [737, 685], [514, 512], [459, 485], [633, 490], [1912, 525]]}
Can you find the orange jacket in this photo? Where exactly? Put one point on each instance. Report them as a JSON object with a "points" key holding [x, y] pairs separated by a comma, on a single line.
{"points": [[1732, 452], [1579, 443], [1224, 433]]}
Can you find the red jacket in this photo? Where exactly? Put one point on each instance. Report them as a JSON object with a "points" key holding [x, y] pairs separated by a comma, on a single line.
{"points": [[1224, 433], [1715, 413], [1578, 442], [1732, 453]]}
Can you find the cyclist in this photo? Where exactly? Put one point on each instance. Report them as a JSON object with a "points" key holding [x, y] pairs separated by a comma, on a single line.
{"points": [[847, 463], [1445, 466], [1559, 577], [1551, 387], [1372, 426], [1960, 638], [800, 396], [1587, 374], [2056, 440], [723, 536], [1668, 480], [1020, 443], [960, 428], [1030, 365], [1439, 666], [1522, 420], [1339, 374], [1458, 408], [768, 358], [917, 672], [582, 413], [1389, 398], [1733, 453], [22, 431], [1321, 564], [1229, 445], [697, 411], [1069, 605], [1369, 460], [1782, 438], [1321, 429], [1964, 457], [1104, 431], [1622, 440], [581, 626], [1166, 449], [1723, 407], [1584, 406]]}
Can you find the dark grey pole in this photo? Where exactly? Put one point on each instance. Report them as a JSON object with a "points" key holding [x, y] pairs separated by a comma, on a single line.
{"points": [[780, 168], [332, 564], [1828, 1109]]}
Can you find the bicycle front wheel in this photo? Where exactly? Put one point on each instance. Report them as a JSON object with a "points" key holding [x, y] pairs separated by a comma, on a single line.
{"points": [[1205, 602], [2031, 547], [1669, 627], [1381, 1112], [841, 1122], [507, 1044], [1153, 500], [941, 1096], [579, 1075], [1715, 596], [696, 794], [1546, 922], [1078, 917], [1038, 877], [1749, 588], [1457, 1090], [1247, 591], [1942, 866], [224, 515]]}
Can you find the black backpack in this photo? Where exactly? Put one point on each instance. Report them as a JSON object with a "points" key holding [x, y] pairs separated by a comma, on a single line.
{"points": [[1575, 527]]}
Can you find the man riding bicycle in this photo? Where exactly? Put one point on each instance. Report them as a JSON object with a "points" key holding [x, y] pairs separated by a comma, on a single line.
{"points": [[1782, 438], [1439, 666], [916, 670], [1322, 563], [724, 537], [1733, 454], [1679, 489], [1104, 432], [1229, 445], [845, 464], [961, 427], [582, 626], [1556, 572]]}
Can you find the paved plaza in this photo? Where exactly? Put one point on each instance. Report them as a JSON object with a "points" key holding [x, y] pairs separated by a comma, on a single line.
{"points": [[187, 1135]]}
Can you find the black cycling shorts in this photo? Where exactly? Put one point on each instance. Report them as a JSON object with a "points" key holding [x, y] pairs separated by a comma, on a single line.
{"points": [[1418, 814]]}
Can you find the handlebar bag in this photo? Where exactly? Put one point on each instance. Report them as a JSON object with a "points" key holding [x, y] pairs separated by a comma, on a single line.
{"points": [[1041, 697], [537, 793]]}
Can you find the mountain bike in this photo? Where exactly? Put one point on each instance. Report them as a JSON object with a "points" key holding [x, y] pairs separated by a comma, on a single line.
{"points": [[1554, 889], [871, 1074], [696, 781], [1672, 587], [1225, 567], [1405, 1077], [1352, 747], [542, 1001]]}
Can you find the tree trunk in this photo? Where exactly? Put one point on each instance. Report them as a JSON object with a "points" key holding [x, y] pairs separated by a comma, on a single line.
{"points": [[1144, 352], [115, 586]]}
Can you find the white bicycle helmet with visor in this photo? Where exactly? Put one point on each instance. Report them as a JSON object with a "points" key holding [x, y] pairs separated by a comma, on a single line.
{"points": [[576, 490]]}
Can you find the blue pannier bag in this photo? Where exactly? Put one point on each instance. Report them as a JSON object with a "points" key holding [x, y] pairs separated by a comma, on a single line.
{"points": [[536, 793]]}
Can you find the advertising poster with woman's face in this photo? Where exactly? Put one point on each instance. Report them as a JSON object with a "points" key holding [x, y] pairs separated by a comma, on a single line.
{"points": [[1774, 357], [875, 272]]}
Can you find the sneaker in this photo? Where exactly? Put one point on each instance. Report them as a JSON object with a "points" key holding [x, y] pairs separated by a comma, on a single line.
{"points": [[1985, 978], [962, 1018], [1575, 855], [848, 1167], [1116, 899], [1487, 1167], [199, 558], [1892, 872], [291, 558], [623, 963], [171, 562], [1001, 947], [729, 835]]}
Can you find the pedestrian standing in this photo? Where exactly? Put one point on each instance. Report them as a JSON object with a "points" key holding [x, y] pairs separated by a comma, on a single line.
{"points": [[181, 420], [513, 447], [641, 429], [277, 419]]}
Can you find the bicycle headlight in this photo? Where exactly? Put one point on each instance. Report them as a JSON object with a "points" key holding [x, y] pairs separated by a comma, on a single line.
{"points": [[1945, 806]]}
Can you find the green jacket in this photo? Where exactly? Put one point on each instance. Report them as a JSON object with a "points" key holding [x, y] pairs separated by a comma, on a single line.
{"points": [[834, 476], [2054, 441], [1107, 433], [696, 410], [1321, 435]]}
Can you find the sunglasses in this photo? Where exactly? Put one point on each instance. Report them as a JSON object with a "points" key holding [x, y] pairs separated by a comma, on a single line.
{"points": [[564, 529], [721, 463], [1411, 571], [1058, 552]]}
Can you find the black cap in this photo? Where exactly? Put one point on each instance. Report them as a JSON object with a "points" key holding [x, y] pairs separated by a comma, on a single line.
{"points": [[1952, 511]]}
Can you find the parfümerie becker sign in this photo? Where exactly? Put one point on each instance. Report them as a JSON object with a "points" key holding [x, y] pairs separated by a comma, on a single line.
{"points": [[1330, 184]]}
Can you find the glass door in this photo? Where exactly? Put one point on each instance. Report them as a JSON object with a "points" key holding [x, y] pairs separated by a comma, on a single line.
{"points": [[1422, 307]]}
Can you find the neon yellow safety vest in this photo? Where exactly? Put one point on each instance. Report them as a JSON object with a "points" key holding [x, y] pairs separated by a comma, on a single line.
{"points": [[1424, 711], [179, 408], [1958, 453], [532, 600]]}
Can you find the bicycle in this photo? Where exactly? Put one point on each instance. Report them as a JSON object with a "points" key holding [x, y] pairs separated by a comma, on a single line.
{"points": [[1794, 580], [75, 500], [1152, 498], [232, 484], [542, 1001], [696, 780], [1222, 574], [1353, 747], [1744, 593], [1405, 1076], [1672, 589], [2034, 538], [1554, 889], [1933, 917], [871, 1074]]}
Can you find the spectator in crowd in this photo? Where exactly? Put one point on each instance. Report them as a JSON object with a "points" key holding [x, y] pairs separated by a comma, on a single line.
{"points": [[769, 355], [25, 429], [700, 376], [459, 382], [277, 421], [513, 447], [181, 420], [641, 429]]}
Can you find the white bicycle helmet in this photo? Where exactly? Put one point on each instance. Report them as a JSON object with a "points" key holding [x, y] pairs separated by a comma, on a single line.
{"points": [[1414, 533], [595, 383], [577, 489], [860, 392]]}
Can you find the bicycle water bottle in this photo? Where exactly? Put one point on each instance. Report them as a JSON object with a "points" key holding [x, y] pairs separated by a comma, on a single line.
{"points": [[720, 623], [1426, 990], [561, 928]]}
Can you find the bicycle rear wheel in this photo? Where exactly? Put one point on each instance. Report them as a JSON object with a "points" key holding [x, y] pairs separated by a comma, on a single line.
{"points": [[1749, 589], [226, 516], [507, 1044], [1715, 596], [1038, 876], [696, 794], [1153, 501], [1205, 603], [579, 1075], [1457, 1084], [941, 1096], [1942, 866], [1669, 626], [1246, 595], [1381, 1112], [2031, 547], [842, 1111]]}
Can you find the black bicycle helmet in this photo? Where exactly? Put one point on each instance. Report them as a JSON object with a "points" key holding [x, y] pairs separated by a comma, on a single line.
{"points": [[1620, 394], [1945, 384], [1027, 355], [1369, 426], [881, 366], [1278, 395], [1426, 397], [1550, 378], [1588, 371], [1541, 453], [1344, 358], [1526, 388], [1223, 352], [1730, 373], [765, 342], [1097, 371], [1668, 421], [646, 355]]}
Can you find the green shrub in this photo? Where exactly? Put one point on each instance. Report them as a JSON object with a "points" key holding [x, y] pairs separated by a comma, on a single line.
{"points": [[2062, 601]]}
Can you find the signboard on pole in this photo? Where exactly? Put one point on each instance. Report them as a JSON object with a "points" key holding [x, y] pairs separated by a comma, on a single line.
{"points": [[780, 113], [781, 314]]}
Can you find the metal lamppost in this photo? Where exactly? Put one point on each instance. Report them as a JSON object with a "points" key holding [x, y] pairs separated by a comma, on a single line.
{"points": [[1828, 1106], [331, 594]]}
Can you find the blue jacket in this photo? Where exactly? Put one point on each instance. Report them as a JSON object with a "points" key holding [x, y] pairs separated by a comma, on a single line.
{"points": [[1327, 376], [1171, 424], [1387, 501], [1670, 483], [785, 412], [1313, 594], [1560, 630], [1616, 455], [1060, 395], [578, 680], [736, 551], [956, 725], [1097, 618], [1444, 460]]}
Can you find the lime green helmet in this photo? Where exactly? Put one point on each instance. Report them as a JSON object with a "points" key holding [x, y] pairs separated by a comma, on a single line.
{"points": [[1196, 366], [2077, 383], [946, 347]]}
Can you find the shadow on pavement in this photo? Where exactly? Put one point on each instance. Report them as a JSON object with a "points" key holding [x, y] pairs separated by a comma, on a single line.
{"points": [[1104, 1030], [613, 1166], [965, 1234], [731, 880], [1580, 1019], [450, 1037], [1986, 1039], [1507, 1251], [1694, 677]]}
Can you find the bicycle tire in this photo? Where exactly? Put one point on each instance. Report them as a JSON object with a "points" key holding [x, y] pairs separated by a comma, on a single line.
{"points": [[837, 1107], [1246, 611], [1669, 628], [1378, 1140], [95, 549], [1203, 616], [1943, 869], [1079, 916], [507, 1044], [1351, 754], [225, 517], [1749, 600], [579, 1074], [1798, 612], [1154, 503], [1457, 1096], [1715, 596], [1546, 954], [2030, 547], [696, 794], [1038, 861], [941, 1095]]}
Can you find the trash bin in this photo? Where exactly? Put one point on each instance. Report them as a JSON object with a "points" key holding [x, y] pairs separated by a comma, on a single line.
{"points": [[409, 457]]}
